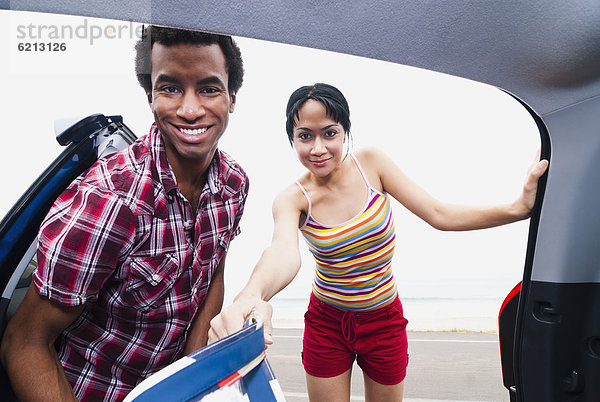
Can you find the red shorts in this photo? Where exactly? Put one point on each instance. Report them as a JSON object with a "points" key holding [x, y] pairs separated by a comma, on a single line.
{"points": [[333, 338]]}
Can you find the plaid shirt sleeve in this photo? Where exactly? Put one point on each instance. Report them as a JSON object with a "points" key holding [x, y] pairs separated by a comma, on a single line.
{"points": [[242, 203], [235, 183], [86, 233]]}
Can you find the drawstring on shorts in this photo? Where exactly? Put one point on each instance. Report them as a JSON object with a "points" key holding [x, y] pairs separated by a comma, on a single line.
{"points": [[349, 327]]}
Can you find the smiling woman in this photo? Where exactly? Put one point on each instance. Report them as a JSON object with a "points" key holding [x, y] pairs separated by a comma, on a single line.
{"points": [[342, 208], [464, 142]]}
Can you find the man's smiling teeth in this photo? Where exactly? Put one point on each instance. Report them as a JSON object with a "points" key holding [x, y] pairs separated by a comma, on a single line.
{"points": [[192, 132]]}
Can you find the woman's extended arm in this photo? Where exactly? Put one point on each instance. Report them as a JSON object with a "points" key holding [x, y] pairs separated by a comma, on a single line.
{"points": [[277, 266], [444, 216]]}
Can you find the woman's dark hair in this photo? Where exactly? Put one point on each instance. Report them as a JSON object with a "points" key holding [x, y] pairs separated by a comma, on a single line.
{"points": [[334, 101], [175, 36]]}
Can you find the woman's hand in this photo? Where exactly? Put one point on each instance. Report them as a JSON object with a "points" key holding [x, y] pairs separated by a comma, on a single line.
{"points": [[525, 202], [277, 266], [232, 318]]}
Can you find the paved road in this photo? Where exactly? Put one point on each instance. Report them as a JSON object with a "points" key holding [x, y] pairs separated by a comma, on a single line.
{"points": [[444, 366]]}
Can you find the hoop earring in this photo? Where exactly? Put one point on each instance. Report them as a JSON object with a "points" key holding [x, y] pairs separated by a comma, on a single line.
{"points": [[348, 141]]}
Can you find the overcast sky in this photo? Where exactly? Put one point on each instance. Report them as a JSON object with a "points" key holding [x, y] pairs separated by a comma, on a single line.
{"points": [[464, 142]]}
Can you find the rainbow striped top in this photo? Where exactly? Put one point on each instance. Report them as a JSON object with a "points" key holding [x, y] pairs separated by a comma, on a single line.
{"points": [[353, 259]]}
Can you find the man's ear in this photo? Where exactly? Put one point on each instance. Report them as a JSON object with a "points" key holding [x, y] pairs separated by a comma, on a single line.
{"points": [[149, 96], [232, 99]]}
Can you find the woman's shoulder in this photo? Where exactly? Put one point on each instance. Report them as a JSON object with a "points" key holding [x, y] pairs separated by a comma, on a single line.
{"points": [[292, 196], [371, 159], [369, 154]]}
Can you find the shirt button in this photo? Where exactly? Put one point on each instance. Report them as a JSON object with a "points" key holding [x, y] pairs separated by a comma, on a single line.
{"points": [[155, 277]]}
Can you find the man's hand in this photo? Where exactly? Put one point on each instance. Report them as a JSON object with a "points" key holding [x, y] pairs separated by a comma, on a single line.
{"points": [[232, 318]]}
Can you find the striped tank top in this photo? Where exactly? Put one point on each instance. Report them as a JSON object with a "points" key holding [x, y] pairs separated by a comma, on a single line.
{"points": [[353, 259]]}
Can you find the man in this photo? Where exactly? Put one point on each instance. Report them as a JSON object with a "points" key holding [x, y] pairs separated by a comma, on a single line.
{"points": [[131, 255]]}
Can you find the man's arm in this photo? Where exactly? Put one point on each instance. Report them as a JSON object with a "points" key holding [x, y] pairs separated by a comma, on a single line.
{"points": [[197, 335], [28, 353]]}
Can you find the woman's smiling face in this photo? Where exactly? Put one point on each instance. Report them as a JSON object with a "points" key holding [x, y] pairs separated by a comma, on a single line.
{"points": [[318, 139]]}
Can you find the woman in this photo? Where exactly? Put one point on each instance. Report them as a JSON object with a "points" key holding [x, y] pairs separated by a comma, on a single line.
{"points": [[341, 206]]}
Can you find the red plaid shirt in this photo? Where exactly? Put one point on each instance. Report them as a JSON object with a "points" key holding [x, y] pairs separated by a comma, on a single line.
{"points": [[123, 241]]}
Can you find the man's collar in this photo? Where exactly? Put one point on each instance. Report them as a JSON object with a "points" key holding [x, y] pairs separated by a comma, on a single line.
{"points": [[159, 154], [214, 174]]}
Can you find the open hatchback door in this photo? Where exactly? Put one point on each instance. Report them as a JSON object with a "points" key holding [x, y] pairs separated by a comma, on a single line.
{"points": [[85, 142]]}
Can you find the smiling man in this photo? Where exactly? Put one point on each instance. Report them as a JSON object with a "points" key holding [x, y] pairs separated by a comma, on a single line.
{"points": [[131, 256]]}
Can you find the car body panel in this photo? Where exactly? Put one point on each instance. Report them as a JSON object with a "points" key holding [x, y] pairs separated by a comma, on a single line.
{"points": [[569, 232]]}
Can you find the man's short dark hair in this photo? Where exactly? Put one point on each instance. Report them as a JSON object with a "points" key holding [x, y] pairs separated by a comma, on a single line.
{"points": [[175, 36]]}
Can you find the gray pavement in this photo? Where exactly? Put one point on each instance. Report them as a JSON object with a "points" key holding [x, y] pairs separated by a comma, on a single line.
{"points": [[444, 366]]}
